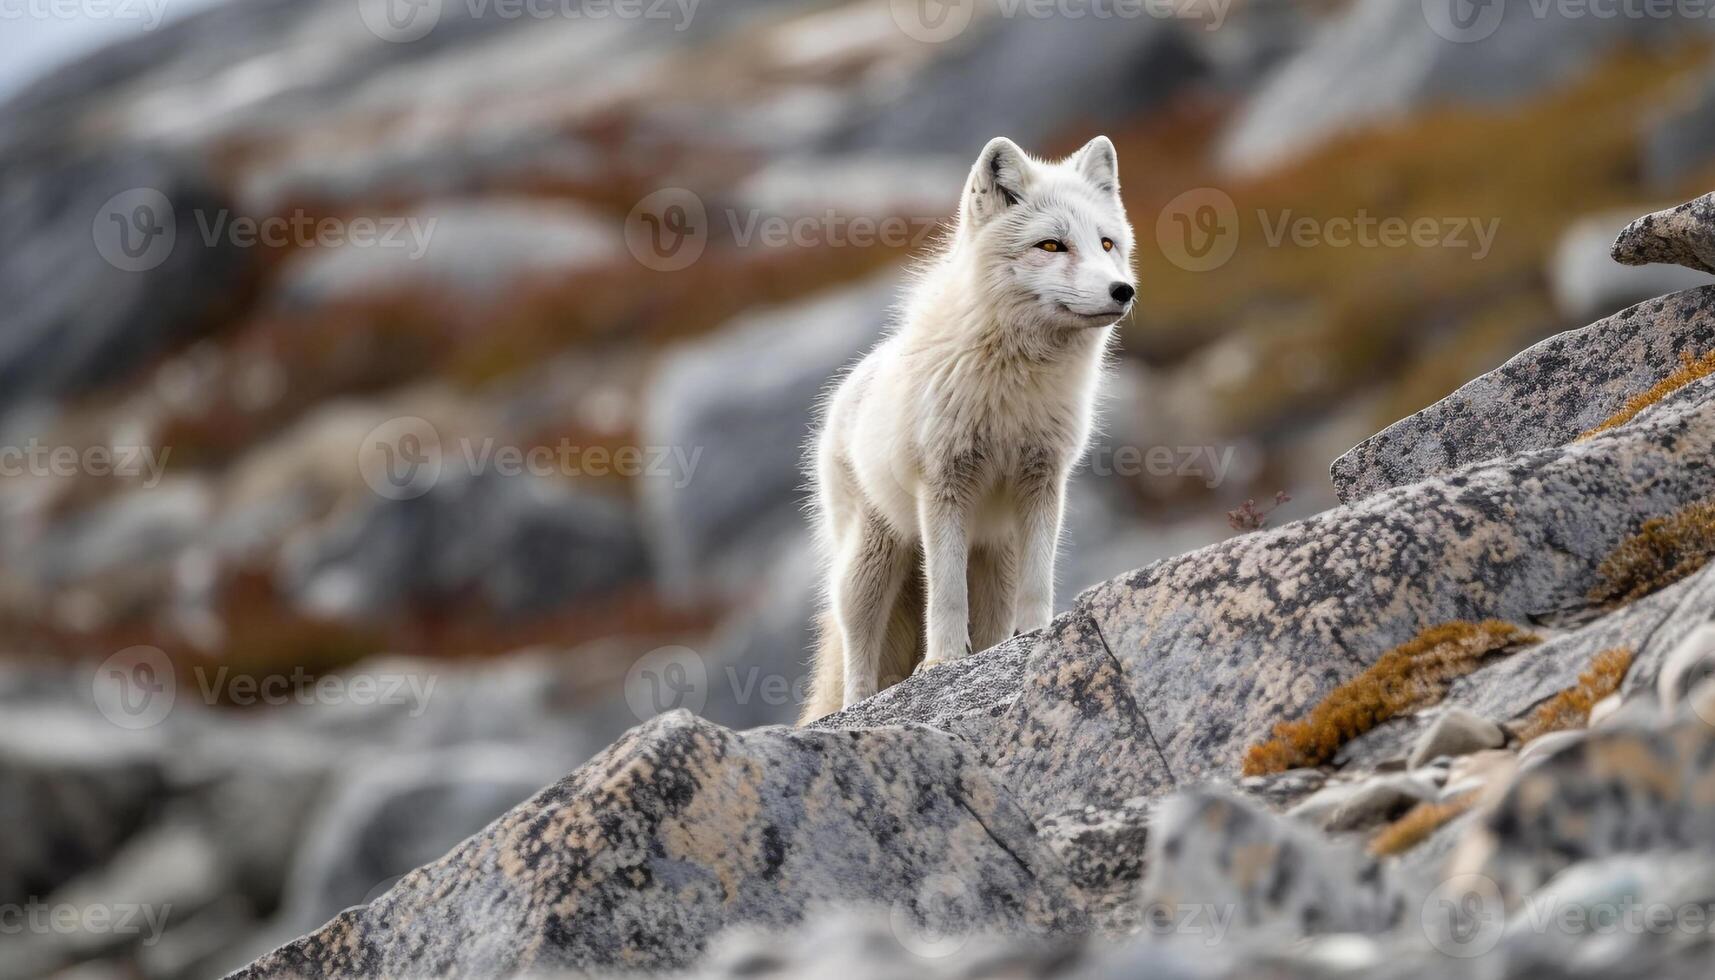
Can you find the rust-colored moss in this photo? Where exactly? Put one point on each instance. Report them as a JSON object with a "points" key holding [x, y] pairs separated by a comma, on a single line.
{"points": [[1689, 370], [1412, 675], [1665, 550], [1418, 823], [1571, 707]]}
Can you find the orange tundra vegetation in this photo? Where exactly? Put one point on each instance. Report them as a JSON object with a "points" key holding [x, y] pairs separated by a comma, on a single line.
{"points": [[1413, 675], [1689, 370], [1571, 707], [1665, 550]]}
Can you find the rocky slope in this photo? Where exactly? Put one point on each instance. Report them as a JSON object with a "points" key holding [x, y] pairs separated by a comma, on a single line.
{"points": [[1088, 779]]}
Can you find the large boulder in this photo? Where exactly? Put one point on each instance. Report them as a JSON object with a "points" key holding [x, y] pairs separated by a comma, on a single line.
{"points": [[1385, 59], [523, 543], [683, 828], [744, 400], [104, 263]]}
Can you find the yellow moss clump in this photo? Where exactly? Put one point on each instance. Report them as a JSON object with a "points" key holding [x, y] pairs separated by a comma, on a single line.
{"points": [[1571, 707], [1418, 823], [1665, 550], [1412, 675], [1689, 370]]}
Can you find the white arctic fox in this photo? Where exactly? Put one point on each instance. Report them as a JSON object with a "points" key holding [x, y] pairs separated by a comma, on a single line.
{"points": [[940, 469]]}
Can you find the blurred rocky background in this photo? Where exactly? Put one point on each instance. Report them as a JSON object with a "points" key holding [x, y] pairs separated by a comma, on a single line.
{"points": [[400, 399]]}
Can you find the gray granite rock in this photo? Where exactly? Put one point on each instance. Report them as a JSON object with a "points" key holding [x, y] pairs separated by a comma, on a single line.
{"points": [[1456, 731], [744, 399], [1543, 397], [682, 829], [1611, 792], [1215, 851], [1682, 235]]}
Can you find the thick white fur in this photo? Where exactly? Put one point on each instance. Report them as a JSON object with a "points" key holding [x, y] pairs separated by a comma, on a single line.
{"points": [[940, 470]]}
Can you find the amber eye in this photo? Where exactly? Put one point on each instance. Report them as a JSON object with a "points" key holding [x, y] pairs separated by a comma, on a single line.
{"points": [[1107, 244], [1051, 245]]}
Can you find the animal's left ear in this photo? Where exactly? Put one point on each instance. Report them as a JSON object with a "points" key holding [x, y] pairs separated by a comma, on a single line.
{"points": [[1099, 164]]}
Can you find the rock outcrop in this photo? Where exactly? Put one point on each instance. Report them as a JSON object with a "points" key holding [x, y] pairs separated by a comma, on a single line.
{"points": [[1091, 779]]}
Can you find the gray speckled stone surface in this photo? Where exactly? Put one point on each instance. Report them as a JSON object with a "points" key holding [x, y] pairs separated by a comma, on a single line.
{"points": [[1682, 235], [683, 828], [1542, 397]]}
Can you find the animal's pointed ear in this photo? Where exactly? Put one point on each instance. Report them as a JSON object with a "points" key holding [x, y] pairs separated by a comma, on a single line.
{"points": [[1099, 164], [998, 181]]}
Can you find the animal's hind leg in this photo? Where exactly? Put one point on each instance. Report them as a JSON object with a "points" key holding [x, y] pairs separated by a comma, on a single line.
{"points": [[993, 578], [903, 648], [868, 574]]}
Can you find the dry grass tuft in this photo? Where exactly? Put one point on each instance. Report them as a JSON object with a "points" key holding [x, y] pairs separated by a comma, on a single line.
{"points": [[1665, 550], [1418, 823], [1689, 370], [1412, 675], [1571, 707]]}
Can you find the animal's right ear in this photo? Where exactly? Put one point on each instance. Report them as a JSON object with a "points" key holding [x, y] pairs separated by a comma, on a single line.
{"points": [[998, 181]]}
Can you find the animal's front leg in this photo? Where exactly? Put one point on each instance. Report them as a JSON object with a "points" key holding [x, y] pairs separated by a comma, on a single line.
{"points": [[1041, 501], [945, 551]]}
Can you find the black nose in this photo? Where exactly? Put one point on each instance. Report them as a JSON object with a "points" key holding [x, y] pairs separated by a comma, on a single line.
{"points": [[1121, 292]]}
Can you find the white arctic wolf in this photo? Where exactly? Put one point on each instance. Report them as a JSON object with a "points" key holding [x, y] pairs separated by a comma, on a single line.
{"points": [[940, 469]]}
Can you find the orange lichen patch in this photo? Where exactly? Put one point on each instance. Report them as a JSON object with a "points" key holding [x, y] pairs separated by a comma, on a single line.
{"points": [[1410, 676], [1571, 707], [1418, 823], [1689, 370], [1665, 550]]}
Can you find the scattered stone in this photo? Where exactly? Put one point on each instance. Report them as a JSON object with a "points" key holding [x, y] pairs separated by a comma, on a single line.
{"points": [[1456, 732], [1377, 802]]}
